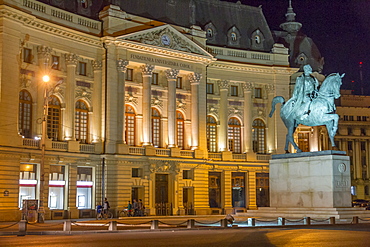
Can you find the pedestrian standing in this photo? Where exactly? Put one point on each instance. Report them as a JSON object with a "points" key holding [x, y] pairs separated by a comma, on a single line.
{"points": [[106, 206], [129, 208], [135, 205]]}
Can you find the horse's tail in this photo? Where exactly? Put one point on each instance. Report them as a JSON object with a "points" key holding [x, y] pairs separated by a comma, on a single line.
{"points": [[275, 100]]}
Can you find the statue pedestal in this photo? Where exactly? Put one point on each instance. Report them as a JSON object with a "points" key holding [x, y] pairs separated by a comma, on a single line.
{"points": [[312, 184]]}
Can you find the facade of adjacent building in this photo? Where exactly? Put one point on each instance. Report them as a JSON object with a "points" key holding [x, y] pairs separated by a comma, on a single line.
{"points": [[168, 104]]}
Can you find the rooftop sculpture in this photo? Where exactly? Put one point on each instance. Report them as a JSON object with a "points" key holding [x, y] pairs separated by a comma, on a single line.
{"points": [[310, 105]]}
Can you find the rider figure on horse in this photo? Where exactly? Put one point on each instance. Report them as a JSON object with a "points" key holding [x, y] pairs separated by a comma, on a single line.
{"points": [[305, 90]]}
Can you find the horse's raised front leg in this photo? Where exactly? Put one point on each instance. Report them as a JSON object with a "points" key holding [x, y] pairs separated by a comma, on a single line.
{"points": [[332, 126]]}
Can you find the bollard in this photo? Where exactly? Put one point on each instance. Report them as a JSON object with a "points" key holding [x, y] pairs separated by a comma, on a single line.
{"points": [[112, 226], [355, 220], [154, 225], [307, 220], [67, 227], [252, 221], [191, 223], [22, 226], [281, 221], [224, 223], [332, 220]]}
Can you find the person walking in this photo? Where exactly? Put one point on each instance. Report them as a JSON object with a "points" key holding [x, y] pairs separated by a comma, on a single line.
{"points": [[140, 207], [106, 206], [129, 209], [135, 205]]}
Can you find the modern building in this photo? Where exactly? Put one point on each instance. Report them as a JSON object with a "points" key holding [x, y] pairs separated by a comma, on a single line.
{"points": [[164, 101]]}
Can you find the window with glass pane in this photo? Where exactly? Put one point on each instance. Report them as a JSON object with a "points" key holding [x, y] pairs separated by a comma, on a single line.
{"points": [[129, 73], [211, 134], [155, 79], [55, 62], [180, 129], [81, 121], [25, 116], [258, 93], [53, 120], [82, 68], [156, 127], [210, 89], [234, 90], [234, 135], [179, 82], [259, 130], [130, 125], [27, 55]]}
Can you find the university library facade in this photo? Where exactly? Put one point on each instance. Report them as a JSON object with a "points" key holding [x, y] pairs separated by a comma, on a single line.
{"points": [[136, 108]]}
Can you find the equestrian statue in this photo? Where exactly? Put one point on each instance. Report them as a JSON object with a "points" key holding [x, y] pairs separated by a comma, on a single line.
{"points": [[310, 105]]}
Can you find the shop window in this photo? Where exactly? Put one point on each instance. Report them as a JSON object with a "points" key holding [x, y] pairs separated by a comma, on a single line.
{"points": [[27, 182], [84, 187], [136, 172], [130, 120], [81, 121], [211, 134], [25, 114], [214, 189], [82, 68], [56, 186], [238, 189], [262, 190], [210, 88], [156, 127], [155, 79], [27, 55], [129, 74]]}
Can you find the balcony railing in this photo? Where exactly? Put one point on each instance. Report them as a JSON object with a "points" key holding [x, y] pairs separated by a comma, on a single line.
{"points": [[162, 152], [136, 150]]}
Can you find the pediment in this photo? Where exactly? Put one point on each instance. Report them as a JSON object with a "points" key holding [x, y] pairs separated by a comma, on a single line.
{"points": [[167, 37]]}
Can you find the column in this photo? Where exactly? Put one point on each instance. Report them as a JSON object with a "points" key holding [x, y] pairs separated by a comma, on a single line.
{"points": [[121, 67], [147, 71], [194, 81], [222, 137], [72, 192], [97, 102], [247, 88], [171, 75], [68, 126], [270, 90]]}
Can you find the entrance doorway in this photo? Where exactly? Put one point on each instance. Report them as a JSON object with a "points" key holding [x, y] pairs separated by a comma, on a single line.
{"points": [[162, 204], [187, 201]]}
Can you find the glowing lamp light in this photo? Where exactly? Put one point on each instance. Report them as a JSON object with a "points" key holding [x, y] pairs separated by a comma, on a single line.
{"points": [[46, 78]]}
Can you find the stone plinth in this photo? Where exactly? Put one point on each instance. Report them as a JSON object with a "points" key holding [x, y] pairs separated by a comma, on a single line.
{"points": [[310, 180]]}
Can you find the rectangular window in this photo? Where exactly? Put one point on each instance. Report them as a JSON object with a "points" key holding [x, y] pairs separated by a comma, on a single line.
{"points": [[258, 93], [179, 82], [350, 118], [210, 89], [358, 118], [155, 79], [349, 144], [234, 90], [129, 73], [84, 187], [56, 187], [186, 174], [363, 146], [27, 55], [55, 62], [363, 132], [364, 118], [136, 173], [27, 183], [349, 131], [82, 68], [345, 118]]}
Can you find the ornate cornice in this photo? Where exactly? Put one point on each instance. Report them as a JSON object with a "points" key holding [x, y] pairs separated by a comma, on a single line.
{"points": [[275, 70]]}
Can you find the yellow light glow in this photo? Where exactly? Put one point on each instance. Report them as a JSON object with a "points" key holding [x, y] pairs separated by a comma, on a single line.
{"points": [[46, 78]]}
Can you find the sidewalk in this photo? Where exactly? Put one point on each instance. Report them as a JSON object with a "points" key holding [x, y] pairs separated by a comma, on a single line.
{"points": [[150, 223]]}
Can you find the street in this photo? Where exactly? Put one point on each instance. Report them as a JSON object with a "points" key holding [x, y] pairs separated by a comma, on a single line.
{"points": [[328, 236]]}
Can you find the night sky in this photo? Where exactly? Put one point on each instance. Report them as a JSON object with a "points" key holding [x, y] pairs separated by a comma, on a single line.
{"points": [[339, 28]]}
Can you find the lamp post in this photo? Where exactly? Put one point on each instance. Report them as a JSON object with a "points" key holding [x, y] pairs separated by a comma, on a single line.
{"points": [[41, 214]]}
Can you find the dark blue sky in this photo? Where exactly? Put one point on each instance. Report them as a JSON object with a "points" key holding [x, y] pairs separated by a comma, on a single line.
{"points": [[340, 29]]}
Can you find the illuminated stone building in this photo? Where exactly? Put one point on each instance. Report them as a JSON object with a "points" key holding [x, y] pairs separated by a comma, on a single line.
{"points": [[166, 102]]}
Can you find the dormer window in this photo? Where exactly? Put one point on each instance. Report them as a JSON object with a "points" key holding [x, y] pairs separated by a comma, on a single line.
{"points": [[233, 36], [257, 38], [209, 32], [84, 4]]}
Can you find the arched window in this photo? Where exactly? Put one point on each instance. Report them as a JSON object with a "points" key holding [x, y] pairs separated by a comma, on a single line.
{"points": [[259, 132], [53, 121], [180, 129], [130, 124], [81, 121], [25, 113], [234, 135], [156, 127], [211, 134]]}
